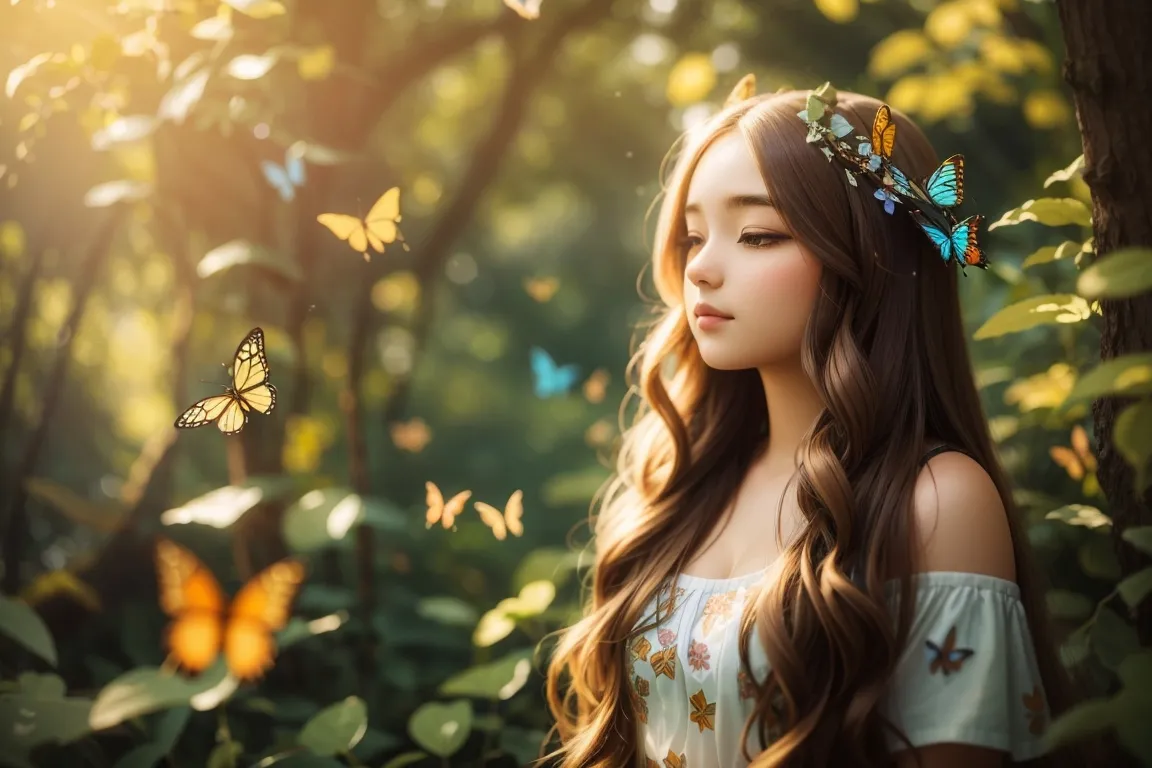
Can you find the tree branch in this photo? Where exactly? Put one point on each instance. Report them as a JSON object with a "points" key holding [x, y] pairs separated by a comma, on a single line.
{"points": [[19, 339]]}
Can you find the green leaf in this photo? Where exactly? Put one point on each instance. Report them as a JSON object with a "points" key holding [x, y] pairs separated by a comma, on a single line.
{"points": [[522, 743], [142, 756], [1139, 537], [245, 253], [1063, 604], [494, 626], [1098, 558], [1118, 274], [1136, 587], [448, 610], [105, 517], [225, 755], [1049, 211], [441, 728], [336, 729], [258, 9], [1124, 375], [551, 563], [408, 758], [113, 192], [500, 679], [21, 623], [219, 508], [40, 712], [1048, 309], [148, 689], [1081, 721], [1112, 638], [1133, 436], [1081, 515], [1075, 168], [324, 516], [1066, 250], [169, 725]]}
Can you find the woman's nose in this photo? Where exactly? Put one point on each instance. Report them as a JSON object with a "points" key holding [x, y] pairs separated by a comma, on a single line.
{"points": [[702, 269]]}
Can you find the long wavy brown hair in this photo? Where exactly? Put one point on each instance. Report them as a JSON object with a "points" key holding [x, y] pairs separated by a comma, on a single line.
{"points": [[885, 348]]}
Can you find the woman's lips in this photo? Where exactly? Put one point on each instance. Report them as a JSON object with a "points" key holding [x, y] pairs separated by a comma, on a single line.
{"points": [[710, 322]]}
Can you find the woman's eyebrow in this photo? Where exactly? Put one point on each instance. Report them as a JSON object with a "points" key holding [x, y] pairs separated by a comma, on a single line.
{"points": [[735, 202]]}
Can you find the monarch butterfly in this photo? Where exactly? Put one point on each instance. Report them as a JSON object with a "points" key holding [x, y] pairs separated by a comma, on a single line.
{"points": [[946, 658], [507, 521], [200, 627], [375, 229], [250, 391], [440, 511]]}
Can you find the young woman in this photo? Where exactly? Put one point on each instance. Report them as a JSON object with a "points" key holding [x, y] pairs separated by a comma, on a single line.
{"points": [[809, 554]]}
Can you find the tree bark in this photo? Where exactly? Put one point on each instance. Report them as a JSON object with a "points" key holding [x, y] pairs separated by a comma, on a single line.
{"points": [[1109, 68]]}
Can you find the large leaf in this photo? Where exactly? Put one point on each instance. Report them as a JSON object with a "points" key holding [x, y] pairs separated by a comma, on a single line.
{"points": [[245, 253], [1117, 275], [1063, 604], [1049, 309], [39, 712], [219, 508], [1066, 250], [1075, 168], [336, 729], [1139, 537], [1133, 439], [551, 563], [500, 679], [20, 623], [1050, 211], [448, 610], [105, 517], [1136, 587], [1112, 638], [1098, 558], [1124, 375], [149, 689], [324, 516], [441, 728], [1081, 721]]}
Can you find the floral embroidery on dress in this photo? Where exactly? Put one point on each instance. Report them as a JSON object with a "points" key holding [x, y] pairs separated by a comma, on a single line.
{"points": [[698, 655], [703, 713], [664, 663], [717, 608], [640, 648], [666, 637], [639, 690], [747, 688], [667, 606], [946, 658], [1034, 704]]}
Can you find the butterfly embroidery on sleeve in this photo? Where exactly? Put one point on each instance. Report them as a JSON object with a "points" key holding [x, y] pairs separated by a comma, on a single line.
{"points": [[250, 391], [201, 626], [1034, 706], [946, 658]]}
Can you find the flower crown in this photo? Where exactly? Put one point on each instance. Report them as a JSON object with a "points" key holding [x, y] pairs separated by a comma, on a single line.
{"points": [[929, 201]]}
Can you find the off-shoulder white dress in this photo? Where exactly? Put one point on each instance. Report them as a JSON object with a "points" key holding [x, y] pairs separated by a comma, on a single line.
{"points": [[968, 674]]}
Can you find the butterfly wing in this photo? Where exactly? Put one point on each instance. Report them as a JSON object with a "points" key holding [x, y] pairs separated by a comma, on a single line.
{"points": [[260, 398], [493, 519], [883, 132], [965, 248], [900, 181], [294, 169], [250, 363], [278, 177], [454, 506], [347, 228], [935, 656], [514, 513], [941, 239], [551, 379], [945, 186], [233, 419], [381, 219], [435, 501], [261, 607], [192, 597], [204, 411]]}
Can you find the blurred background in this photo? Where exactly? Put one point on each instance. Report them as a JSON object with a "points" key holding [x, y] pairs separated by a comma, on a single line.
{"points": [[162, 167]]}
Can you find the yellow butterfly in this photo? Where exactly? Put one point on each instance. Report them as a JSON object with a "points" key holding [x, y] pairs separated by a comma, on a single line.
{"points": [[596, 386], [376, 229], [542, 289], [509, 520], [440, 511], [250, 391]]}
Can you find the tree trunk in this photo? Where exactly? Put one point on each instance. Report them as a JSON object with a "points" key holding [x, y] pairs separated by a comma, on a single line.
{"points": [[1109, 68]]}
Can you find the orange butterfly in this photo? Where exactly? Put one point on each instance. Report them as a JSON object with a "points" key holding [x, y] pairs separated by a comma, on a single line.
{"points": [[444, 512], [508, 521], [192, 596], [946, 658]]}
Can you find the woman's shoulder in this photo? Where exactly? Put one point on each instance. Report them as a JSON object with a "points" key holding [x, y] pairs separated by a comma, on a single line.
{"points": [[960, 521]]}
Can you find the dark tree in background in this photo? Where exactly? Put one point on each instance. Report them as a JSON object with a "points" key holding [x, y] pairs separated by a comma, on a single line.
{"points": [[1109, 69]]}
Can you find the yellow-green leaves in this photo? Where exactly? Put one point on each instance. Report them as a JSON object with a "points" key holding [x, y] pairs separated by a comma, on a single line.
{"points": [[1048, 309], [839, 11], [1122, 273], [1050, 211]]}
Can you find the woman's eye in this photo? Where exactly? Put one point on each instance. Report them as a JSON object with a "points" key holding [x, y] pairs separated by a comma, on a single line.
{"points": [[762, 240], [690, 242]]}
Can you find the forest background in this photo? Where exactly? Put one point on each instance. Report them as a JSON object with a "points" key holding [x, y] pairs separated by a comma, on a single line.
{"points": [[152, 211]]}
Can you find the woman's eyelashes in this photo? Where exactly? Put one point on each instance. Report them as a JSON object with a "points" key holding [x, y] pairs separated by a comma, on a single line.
{"points": [[755, 240]]}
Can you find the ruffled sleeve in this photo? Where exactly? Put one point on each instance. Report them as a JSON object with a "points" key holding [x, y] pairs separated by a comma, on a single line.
{"points": [[968, 674]]}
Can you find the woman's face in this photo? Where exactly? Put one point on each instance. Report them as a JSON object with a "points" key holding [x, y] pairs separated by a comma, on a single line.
{"points": [[743, 264]]}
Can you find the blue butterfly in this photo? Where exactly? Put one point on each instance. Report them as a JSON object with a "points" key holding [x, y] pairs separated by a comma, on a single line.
{"points": [[946, 658], [960, 244], [551, 379], [285, 178], [945, 187]]}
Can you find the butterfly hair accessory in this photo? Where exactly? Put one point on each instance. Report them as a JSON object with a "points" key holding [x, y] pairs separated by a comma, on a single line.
{"points": [[928, 201]]}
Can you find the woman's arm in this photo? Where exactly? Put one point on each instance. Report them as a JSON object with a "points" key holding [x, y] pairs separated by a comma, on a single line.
{"points": [[960, 525]]}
